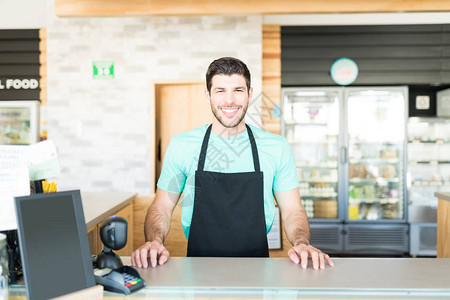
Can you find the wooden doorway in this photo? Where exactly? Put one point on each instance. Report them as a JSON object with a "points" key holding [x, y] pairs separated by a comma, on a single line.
{"points": [[179, 107]]}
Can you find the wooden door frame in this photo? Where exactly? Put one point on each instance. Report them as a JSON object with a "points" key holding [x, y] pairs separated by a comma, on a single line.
{"points": [[153, 89]]}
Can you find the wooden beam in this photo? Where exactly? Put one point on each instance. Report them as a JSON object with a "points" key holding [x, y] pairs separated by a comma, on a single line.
{"points": [[85, 8], [43, 67], [271, 77]]}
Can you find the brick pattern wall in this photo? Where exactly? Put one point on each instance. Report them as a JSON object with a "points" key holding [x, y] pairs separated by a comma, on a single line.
{"points": [[103, 129]]}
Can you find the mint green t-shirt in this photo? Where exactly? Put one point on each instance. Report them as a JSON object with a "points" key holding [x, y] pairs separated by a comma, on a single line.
{"points": [[227, 155]]}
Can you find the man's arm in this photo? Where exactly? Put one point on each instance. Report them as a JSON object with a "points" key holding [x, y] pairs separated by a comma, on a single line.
{"points": [[297, 230], [157, 225]]}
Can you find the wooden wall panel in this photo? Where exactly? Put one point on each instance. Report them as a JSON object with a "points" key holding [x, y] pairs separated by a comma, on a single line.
{"points": [[271, 77], [176, 242], [140, 206], [43, 67], [443, 229], [71, 8]]}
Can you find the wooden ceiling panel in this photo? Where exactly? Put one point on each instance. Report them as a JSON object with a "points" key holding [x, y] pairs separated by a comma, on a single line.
{"points": [[85, 8]]}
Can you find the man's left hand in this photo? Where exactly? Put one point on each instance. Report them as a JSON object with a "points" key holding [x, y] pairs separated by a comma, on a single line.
{"points": [[300, 254]]}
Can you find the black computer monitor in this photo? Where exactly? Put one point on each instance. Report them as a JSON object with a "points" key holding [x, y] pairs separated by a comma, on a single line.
{"points": [[53, 244]]}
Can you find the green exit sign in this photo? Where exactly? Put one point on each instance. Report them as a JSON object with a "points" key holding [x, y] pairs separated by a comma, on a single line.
{"points": [[103, 69]]}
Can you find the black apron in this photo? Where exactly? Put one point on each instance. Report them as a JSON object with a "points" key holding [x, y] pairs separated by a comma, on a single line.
{"points": [[228, 218]]}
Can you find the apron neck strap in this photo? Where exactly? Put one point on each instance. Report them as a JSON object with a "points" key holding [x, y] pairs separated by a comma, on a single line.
{"points": [[201, 161], [202, 158], [254, 148]]}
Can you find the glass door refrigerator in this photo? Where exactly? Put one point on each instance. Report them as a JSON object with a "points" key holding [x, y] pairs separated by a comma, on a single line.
{"points": [[349, 147], [312, 124], [376, 170], [429, 172]]}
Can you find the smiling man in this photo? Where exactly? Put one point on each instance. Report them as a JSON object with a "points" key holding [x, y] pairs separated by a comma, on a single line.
{"points": [[228, 172]]}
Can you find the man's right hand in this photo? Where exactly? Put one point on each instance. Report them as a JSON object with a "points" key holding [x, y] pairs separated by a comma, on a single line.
{"points": [[154, 250]]}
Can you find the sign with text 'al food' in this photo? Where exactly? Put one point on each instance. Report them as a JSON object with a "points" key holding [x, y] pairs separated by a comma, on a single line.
{"points": [[103, 69]]}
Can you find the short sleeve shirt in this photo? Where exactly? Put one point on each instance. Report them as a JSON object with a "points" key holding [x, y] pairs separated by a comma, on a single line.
{"points": [[227, 155]]}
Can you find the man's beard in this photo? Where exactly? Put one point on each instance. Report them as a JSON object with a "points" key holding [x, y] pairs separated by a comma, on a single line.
{"points": [[234, 122]]}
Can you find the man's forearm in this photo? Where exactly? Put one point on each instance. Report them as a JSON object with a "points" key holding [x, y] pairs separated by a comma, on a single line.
{"points": [[297, 228], [157, 224]]}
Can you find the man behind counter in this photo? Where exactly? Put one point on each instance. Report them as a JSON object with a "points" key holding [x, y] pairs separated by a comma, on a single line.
{"points": [[228, 172]]}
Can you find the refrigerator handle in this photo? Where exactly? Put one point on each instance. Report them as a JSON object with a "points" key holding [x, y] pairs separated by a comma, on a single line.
{"points": [[343, 155]]}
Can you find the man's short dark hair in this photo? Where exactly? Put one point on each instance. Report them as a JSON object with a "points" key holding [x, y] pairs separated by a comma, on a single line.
{"points": [[227, 66]]}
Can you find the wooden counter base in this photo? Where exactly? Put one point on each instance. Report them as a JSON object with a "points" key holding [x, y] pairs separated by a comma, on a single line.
{"points": [[443, 227]]}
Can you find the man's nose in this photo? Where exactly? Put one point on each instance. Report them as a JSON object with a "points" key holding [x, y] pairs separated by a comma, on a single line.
{"points": [[229, 98]]}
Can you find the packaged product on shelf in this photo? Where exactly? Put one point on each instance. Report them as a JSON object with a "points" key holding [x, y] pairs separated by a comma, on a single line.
{"points": [[352, 171], [373, 171], [369, 192], [389, 172], [357, 192], [362, 171], [389, 153], [353, 211], [334, 175], [321, 185], [374, 212], [315, 174], [390, 210], [309, 209], [306, 175], [325, 209], [394, 193]]}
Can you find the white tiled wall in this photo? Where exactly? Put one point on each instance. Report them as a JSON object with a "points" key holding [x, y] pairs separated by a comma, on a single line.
{"points": [[103, 129]]}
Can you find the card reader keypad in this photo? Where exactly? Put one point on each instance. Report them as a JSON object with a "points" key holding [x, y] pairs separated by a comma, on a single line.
{"points": [[131, 280]]}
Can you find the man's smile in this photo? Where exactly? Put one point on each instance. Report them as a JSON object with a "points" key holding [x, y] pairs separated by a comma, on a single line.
{"points": [[229, 111]]}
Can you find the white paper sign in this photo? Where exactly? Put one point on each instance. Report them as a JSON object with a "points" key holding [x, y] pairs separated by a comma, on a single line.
{"points": [[274, 236], [14, 157], [14, 181], [19, 165], [43, 160]]}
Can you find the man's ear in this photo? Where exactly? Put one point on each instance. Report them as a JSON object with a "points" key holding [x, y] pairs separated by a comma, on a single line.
{"points": [[207, 95]]}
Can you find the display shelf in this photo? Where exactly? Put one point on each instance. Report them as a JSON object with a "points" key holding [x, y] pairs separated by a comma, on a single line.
{"points": [[374, 200], [322, 166], [429, 162], [428, 142], [329, 195], [318, 181], [374, 160], [372, 180], [297, 142], [431, 183], [381, 143], [304, 124]]}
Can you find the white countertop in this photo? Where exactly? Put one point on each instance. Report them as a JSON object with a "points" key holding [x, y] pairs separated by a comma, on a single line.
{"points": [[97, 206], [366, 278], [279, 278], [444, 196]]}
